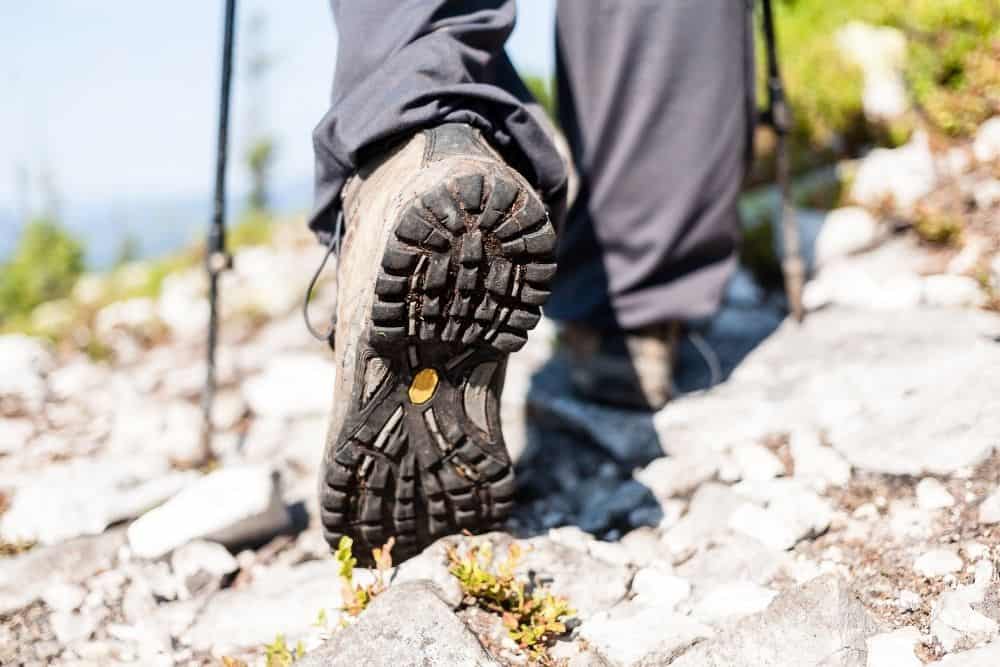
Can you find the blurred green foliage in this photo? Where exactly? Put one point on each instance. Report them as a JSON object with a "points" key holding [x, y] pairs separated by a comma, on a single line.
{"points": [[259, 159], [44, 266], [952, 66], [543, 90]]}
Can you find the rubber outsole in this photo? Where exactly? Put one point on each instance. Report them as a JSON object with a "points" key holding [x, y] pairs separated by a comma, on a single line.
{"points": [[421, 455]]}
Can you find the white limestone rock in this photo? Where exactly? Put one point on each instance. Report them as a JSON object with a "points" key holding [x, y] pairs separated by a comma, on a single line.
{"points": [[901, 175], [755, 462], [950, 291], [271, 394], [816, 465], [937, 563], [845, 231], [986, 145], [880, 52], [231, 505], [894, 649], [932, 495], [989, 509], [83, 497], [633, 634], [26, 362]]}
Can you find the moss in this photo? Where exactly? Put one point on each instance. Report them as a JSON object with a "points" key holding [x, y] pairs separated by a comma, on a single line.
{"points": [[938, 227], [533, 618]]}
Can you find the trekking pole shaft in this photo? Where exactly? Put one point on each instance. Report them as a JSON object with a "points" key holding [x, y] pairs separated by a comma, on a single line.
{"points": [[216, 259], [779, 117]]}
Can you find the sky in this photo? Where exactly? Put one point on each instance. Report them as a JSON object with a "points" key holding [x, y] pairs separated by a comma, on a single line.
{"points": [[117, 99]]}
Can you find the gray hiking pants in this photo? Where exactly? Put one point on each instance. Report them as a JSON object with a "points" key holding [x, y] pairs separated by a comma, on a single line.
{"points": [[655, 98]]}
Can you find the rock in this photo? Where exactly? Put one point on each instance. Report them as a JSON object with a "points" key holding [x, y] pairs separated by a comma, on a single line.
{"points": [[894, 649], [845, 231], [136, 317], [14, 434], [280, 600], [63, 596], [986, 145], [83, 497], [756, 462], [659, 587], [602, 509], [407, 626], [967, 260], [932, 495], [72, 626], [862, 376], [200, 564], [736, 599], [986, 194], [231, 506], [182, 305], [431, 565], [707, 517], [908, 600], [985, 656], [949, 291], [989, 509], [901, 175], [832, 632], [956, 623], [880, 52], [787, 519], [937, 563], [576, 654], [312, 376], [671, 476], [732, 560], [24, 578], [633, 633], [25, 362], [817, 465]]}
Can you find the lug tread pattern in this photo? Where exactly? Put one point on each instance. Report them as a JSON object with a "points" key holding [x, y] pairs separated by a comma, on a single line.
{"points": [[462, 279]]}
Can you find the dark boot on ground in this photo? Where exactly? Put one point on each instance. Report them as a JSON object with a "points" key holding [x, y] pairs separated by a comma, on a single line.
{"points": [[632, 369], [446, 263]]}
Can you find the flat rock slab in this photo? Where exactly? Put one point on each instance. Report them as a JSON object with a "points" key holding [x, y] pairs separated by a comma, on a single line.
{"points": [[818, 623], [283, 600], [896, 394], [407, 626], [24, 578]]}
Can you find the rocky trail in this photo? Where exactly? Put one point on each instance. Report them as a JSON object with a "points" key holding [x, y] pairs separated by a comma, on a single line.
{"points": [[823, 494]]}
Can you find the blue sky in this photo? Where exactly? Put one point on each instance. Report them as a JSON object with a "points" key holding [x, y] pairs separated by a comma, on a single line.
{"points": [[119, 97]]}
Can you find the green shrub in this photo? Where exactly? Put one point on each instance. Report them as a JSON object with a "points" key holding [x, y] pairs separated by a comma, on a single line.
{"points": [[44, 266]]}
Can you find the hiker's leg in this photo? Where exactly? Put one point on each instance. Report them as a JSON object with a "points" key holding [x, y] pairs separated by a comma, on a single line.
{"points": [[402, 66], [655, 97]]}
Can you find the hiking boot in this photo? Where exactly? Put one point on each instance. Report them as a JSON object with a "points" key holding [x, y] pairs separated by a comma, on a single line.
{"points": [[446, 263], [632, 369]]}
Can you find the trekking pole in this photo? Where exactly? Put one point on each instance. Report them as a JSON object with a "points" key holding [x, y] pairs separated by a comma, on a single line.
{"points": [[217, 259], [779, 117]]}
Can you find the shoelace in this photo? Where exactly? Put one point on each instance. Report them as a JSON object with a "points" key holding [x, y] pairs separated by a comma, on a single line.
{"points": [[333, 248]]}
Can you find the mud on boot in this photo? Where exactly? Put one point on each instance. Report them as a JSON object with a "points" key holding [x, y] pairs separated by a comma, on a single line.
{"points": [[446, 263]]}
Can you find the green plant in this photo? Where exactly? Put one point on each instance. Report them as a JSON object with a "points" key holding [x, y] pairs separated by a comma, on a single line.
{"points": [[45, 265], [533, 618], [279, 654], [938, 227], [357, 596], [255, 227]]}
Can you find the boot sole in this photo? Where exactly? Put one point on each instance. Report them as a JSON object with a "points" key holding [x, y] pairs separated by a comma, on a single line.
{"points": [[462, 280]]}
